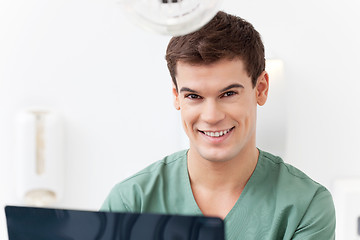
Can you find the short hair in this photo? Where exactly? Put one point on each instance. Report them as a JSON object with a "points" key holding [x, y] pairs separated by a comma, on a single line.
{"points": [[225, 37]]}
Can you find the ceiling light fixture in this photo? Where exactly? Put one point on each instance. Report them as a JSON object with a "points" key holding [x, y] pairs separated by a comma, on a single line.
{"points": [[171, 17]]}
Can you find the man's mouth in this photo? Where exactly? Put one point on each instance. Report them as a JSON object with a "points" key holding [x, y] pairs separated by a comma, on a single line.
{"points": [[217, 133]]}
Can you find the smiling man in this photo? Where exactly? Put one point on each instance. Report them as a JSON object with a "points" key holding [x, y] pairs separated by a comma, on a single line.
{"points": [[218, 109], [219, 79]]}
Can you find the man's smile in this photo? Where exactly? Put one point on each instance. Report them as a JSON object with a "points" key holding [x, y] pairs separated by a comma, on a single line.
{"points": [[216, 133]]}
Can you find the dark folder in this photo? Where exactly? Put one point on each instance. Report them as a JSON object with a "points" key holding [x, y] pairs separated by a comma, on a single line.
{"points": [[31, 223]]}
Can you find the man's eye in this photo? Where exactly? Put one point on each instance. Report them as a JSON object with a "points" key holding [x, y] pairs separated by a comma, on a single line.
{"points": [[192, 96], [228, 94]]}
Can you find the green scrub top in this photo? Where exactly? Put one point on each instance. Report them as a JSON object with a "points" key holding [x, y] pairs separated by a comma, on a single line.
{"points": [[278, 202]]}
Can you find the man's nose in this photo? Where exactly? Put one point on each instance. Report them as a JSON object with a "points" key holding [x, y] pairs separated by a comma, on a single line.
{"points": [[212, 112]]}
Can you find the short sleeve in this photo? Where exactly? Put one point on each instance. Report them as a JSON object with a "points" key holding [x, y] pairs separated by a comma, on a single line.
{"points": [[318, 222]]}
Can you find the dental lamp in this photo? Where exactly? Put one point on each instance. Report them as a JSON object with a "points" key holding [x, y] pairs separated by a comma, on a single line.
{"points": [[171, 17]]}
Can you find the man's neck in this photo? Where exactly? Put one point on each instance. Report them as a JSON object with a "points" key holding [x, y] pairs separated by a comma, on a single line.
{"points": [[232, 173], [216, 186]]}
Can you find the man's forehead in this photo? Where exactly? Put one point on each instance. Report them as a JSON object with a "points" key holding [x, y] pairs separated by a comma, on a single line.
{"points": [[220, 71]]}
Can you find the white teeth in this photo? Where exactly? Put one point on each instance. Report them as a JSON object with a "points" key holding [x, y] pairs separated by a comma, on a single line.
{"points": [[217, 134]]}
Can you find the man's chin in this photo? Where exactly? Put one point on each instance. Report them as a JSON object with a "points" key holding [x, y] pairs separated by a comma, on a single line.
{"points": [[216, 156]]}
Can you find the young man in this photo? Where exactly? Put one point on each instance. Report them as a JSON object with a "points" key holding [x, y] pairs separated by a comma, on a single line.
{"points": [[219, 78]]}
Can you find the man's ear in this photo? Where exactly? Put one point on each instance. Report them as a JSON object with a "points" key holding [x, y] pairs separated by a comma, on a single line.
{"points": [[176, 97], [262, 88]]}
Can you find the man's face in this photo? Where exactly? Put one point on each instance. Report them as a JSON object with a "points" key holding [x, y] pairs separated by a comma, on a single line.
{"points": [[218, 108]]}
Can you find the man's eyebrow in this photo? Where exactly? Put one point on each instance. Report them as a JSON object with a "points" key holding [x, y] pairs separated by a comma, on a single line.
{"points": [[235, 85], [186, 89]]}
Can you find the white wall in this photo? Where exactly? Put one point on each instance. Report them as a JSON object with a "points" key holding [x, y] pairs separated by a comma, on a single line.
{"points": [[108, 79]]}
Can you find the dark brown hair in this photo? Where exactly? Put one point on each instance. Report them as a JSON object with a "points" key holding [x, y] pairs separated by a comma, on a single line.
{"points": [[224, 37]]}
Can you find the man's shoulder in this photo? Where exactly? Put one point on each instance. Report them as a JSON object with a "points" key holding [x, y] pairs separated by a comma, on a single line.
{"points": [[284, 202], [286, 171], [154, 182], [290, 184]]}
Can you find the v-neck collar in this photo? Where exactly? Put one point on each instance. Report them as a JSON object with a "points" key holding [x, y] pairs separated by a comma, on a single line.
{"points": [[188, 186], [239, 201], [247, 188]]}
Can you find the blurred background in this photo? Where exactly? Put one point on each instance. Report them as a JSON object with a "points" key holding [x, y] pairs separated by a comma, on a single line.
{"points": [[107, 80]]}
